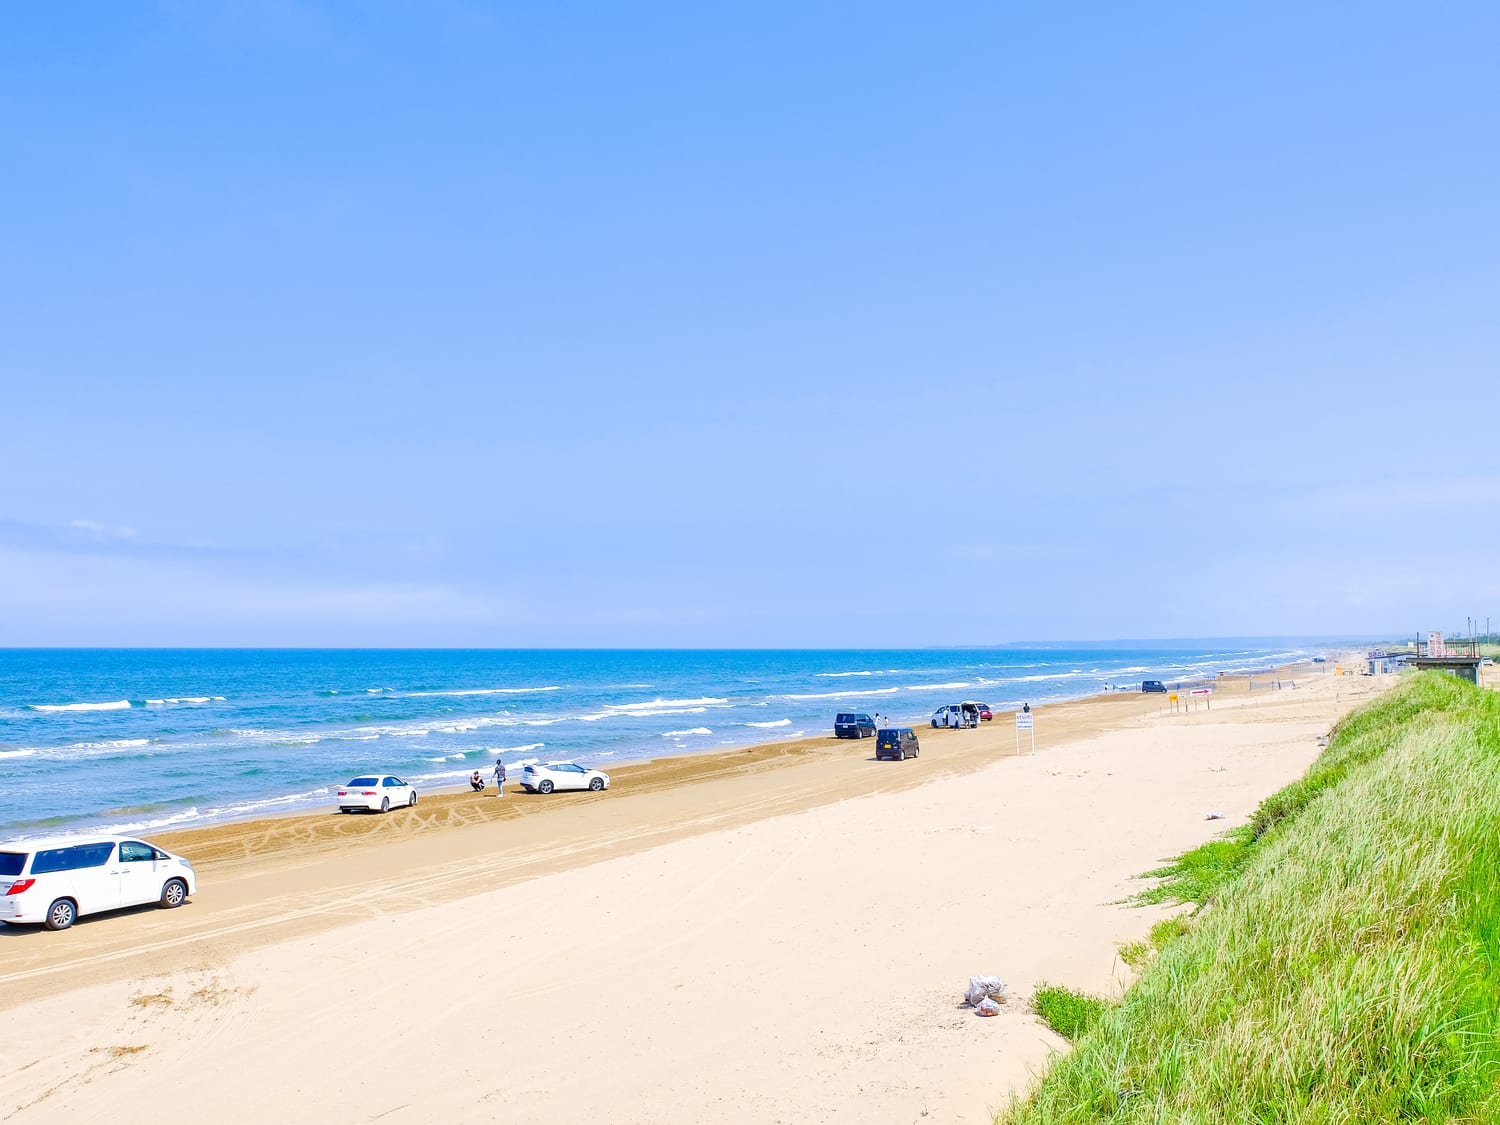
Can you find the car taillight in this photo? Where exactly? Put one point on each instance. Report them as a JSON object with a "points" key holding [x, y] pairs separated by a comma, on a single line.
{"points": [[20, 886], [368, 793], [343, 793]]}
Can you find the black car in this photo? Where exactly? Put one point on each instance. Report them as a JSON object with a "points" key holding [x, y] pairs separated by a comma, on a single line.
{"points": [[1153, 685], [897, 742], [853, 724]]}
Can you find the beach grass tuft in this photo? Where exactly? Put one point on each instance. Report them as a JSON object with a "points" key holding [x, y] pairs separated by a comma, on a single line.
{"points": [[1348, 968], [1070, 1013], [1135, 953]]}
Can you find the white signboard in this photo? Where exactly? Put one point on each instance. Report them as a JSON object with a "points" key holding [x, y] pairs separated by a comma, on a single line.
{"points": [[1435, 644], [1023, 722]]}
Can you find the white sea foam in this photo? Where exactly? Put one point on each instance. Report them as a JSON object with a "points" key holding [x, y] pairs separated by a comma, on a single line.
{"points": [[654, 707], [874, 672], [441, 777], [651, 704], [463, 726], [222, 812], [118, 705], [772, 723], [684, 733], [594, 718], [841, 694], [516, 749], [111, 744], [185, 700], [16, 753], [483, 691], [938, 687], [540, 722]]}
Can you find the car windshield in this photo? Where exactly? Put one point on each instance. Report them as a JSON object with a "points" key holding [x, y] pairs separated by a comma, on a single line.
{"points": [[363, 781], [844, 718], [12, 862]]}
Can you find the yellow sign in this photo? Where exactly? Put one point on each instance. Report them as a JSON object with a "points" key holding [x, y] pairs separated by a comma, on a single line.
{"points": [[1172, 698]]}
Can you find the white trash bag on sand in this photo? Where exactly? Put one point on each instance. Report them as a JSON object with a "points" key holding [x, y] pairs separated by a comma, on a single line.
{"points": [[985, 988]]}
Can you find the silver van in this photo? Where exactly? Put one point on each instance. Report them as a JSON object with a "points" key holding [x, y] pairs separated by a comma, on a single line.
{"points": [[55, 881]]}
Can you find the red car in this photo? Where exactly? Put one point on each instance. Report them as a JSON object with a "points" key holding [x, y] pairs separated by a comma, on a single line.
{"points": [[985, 714]]}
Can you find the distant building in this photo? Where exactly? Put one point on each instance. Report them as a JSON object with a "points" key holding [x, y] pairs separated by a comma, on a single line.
{"points": [[1382, 662], [1457, 658]]}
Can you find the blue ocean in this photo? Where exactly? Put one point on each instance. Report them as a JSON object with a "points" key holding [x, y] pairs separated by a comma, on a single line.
{"points": [[142, 740]]}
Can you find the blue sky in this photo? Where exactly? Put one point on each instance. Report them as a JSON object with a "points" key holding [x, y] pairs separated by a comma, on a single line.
{"points": [[745, 324]]}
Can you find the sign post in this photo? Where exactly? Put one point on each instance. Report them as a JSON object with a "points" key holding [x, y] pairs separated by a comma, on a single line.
{"points": [[1023, 722], [1207, 694]]}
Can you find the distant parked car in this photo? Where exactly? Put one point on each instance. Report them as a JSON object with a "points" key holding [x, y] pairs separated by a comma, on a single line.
{"points": [[55, 881], [376, 793], [899, 743], [985, 714], [956, 715], [853, 724], [1320, 660], [1153, 685], [544, 778]]}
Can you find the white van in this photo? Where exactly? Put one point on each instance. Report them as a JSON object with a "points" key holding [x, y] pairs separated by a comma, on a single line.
{"points": [[54, 881]]}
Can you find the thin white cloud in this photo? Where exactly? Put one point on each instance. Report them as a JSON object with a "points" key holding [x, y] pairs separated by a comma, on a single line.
{"points": [[1475, 494]]}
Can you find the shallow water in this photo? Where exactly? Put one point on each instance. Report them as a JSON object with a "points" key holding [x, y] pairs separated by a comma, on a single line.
{"points": [[146, 739]]}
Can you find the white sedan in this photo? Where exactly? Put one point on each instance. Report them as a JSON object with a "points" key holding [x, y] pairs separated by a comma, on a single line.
{"points": [[544, 778], [375, 794]]}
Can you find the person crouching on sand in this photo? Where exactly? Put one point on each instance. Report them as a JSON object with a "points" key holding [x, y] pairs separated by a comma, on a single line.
{"points": [[476, 782], [499, 778]]}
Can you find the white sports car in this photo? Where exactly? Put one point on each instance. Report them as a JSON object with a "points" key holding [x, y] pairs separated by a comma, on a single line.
{"points": [[544, 778], [375, 794]]}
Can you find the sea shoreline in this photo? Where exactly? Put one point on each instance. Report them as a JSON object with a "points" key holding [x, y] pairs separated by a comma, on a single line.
{"points": [[154, 795], [740, 894]]}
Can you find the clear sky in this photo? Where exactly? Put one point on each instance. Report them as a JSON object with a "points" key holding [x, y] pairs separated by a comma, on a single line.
{"points": [[753, 324]]}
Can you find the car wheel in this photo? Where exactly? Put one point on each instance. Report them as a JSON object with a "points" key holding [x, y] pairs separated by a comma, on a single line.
{"points": [[545, 787], [385, 804], [597, 784], [61, 914], [412, 803], [917, 753], [174, 894]]}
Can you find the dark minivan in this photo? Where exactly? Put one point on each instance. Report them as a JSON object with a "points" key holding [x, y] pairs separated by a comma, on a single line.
{"points": [[852, 724], [1153, 685], [897, 742]]}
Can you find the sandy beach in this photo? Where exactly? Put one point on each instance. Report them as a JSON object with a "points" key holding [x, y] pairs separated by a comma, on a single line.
{"points": [[779, 934]]}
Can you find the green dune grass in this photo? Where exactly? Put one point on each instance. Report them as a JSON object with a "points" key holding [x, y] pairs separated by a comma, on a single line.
{"points": [[1344, 964]]}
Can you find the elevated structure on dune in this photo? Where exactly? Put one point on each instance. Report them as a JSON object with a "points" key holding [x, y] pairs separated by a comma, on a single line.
{"points": [[1457, 658]]}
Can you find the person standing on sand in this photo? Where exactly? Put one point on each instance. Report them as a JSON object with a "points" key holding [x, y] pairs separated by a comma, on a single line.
{"points": [[499, 777]]}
